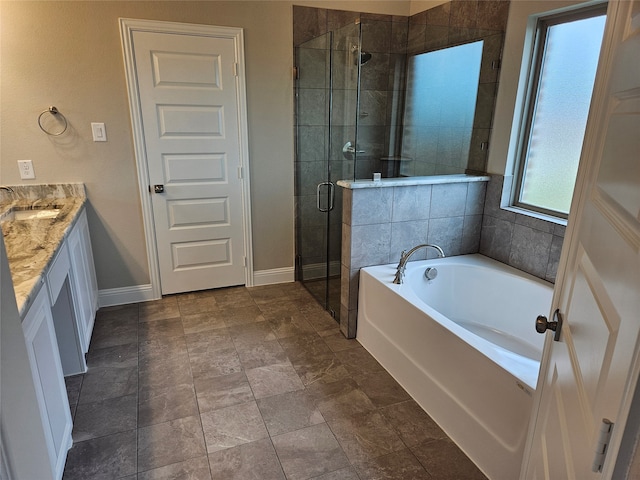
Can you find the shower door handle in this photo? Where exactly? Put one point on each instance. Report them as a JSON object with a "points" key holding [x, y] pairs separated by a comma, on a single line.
{"points": [[349, 148], [331, 195]]}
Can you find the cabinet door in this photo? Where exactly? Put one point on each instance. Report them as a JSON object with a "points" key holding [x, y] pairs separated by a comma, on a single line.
{"points": [[51, 392], [85, 290]]}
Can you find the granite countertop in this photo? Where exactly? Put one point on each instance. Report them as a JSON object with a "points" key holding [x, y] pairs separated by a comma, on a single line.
{"points": [[32, 244]]}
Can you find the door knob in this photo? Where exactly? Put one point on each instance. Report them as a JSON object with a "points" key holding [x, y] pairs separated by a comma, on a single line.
{"points": [[158, 188], [542, 324]]}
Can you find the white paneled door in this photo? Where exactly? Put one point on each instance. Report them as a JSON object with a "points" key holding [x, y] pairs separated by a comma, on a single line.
{"points": [[589, 375], [189, 107]]}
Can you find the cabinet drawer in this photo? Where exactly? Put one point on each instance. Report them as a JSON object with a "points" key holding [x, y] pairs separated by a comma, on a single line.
{"points": [[57, 273]]}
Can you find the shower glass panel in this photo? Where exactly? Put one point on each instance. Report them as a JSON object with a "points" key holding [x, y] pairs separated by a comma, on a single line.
{"points": [[326, 135]]}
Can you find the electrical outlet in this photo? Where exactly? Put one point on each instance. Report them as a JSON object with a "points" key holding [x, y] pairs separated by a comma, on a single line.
{"points": [[26, 169]]}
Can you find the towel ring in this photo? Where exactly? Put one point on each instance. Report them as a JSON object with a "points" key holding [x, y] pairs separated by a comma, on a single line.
{"points": [[53, 111]]}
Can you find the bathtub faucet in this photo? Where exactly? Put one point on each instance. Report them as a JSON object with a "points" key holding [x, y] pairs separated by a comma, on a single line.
{"points": [[404, 258]]}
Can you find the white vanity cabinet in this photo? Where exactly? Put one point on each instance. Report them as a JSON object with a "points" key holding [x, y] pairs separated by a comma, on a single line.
{"points": [[83, 279], [51, 392]]}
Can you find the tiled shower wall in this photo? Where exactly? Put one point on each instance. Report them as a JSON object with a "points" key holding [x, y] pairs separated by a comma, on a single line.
{"points": [[462, 218]]}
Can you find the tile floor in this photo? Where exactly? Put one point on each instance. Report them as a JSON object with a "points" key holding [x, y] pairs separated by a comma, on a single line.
{"points": [[244, 383]]}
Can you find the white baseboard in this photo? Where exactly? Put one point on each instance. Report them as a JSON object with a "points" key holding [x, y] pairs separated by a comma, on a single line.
{"points": [[275, 275], [121, 296], [143, 293], [319, 270]]}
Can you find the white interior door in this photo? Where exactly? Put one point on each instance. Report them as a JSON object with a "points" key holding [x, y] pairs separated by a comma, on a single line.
{"points": [[591, 372], [189, 103]]}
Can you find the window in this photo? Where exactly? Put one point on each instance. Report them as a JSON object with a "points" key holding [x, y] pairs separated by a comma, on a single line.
{"points": [[562, 74]]}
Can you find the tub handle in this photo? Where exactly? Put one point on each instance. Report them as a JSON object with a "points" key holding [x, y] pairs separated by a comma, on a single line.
{"points": [[542, 324]]}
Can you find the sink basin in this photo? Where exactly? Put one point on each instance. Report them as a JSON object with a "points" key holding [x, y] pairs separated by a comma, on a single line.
{"points": [[33, 214]]}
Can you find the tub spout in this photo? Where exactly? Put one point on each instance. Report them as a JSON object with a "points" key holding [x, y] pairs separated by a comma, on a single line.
{"points": [[404, 258]]}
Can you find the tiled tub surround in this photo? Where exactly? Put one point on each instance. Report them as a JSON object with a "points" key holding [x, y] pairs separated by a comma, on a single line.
{"points": [[381, 219], [32, 244], [524, 242]]}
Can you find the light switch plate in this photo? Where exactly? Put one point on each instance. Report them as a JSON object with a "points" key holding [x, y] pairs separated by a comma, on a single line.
{"points": [[26, 169], [99, 132]]}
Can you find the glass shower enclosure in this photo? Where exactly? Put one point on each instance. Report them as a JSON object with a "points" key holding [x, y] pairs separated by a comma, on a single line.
{"points": [[326, 123]]}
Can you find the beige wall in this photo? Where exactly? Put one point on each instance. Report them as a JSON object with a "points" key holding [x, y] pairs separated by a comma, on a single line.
{"points": [[68, 54], [501, 150]]}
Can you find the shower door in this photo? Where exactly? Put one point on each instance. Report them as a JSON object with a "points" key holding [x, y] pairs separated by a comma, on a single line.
{"points": [[326, 124]]}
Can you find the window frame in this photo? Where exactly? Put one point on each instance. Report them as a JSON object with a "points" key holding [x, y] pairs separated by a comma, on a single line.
{"points": [[531, 91]]}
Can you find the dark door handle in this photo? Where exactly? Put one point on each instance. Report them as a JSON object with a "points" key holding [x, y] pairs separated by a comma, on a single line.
{"points": [[158, 188], [542, 324]]}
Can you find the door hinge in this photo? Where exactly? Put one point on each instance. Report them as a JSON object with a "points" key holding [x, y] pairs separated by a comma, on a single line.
{"points": [[604, 437], [296, 73], [235, 69], [240, 172], [244, 261]]}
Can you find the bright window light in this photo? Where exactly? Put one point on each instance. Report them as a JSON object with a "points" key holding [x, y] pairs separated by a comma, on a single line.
{"points": [[560, 95]]}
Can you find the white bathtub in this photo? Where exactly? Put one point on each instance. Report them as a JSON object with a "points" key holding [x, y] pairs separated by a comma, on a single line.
{"points": [[464, 346]]}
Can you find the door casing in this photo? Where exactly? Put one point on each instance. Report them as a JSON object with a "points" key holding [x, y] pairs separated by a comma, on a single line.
{"points": [[127, 27]]}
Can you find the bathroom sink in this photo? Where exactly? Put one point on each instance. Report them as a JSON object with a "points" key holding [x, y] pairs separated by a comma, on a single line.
{"points": [[32, 214]]}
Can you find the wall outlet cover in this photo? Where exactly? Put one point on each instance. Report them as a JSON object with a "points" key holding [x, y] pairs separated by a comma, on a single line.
{"points": [[26, 169]]}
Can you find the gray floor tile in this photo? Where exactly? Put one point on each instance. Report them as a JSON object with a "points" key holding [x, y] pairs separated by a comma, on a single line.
{"points": [[116, 356], [192, 469], [155, 373], [313, 366], [273, 380], [234, 297], [223, 391], [168, 443], [243, 315], [289, 411], [196, 363], [359, 362], [197, 302], [290, 325], [338, 342], [365, 436], [161, 349], [161, 404], [202, 322], [103, 418], [445, 461], [261, 354], [251, 333], [251, 461], [309, 452], [209, 341], [215, 363], [167, 307], [398, 465], [340, 399], [382, 389], [412, 423], [109, 457], [170, 327], [321, 321], [232, 426], [101, 383], [73, 384], [348, 473], [111, 332]]}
